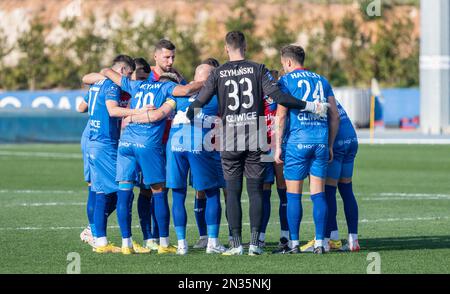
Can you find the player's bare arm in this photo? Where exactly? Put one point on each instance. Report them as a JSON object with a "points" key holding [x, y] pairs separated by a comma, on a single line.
{"points": [[152, 115], [333, 124], [92, 78], [279, 131], [187, 90], [115, 110], [112, 75]]}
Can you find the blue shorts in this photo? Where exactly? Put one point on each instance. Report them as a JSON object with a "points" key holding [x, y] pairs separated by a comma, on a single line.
{"points": [[102, 166], [269, 175], [344, 153], [135, 157], [304, 159], [84, 141], [203, 167]]}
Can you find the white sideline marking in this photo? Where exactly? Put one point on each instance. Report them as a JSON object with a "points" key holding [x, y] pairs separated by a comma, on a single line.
{"points": [[39, 192], [436, 218], [40, 154], [381, 197], [405, 141], [37, 204], [413, 195]]}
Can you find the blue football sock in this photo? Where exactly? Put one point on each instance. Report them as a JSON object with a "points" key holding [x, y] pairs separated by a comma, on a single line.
{"points": [[199, 211], [282, 210], [145, 217], [350, 207], [100, 215], [319, 214], [266, 210], [330, 192], [155, 229], [111, 203], [123, 212], [294, 214], [179, 212], [162, 213], [213, 212], [90, 209]]}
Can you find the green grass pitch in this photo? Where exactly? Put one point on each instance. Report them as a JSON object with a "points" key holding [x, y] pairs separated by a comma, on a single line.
{"points": [[403, 194]]}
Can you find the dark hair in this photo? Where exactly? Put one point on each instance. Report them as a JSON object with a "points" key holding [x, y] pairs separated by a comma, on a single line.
{"points": [[127, 60], [235, 40], [275, 73], [294, 52], [211, 61], [166, 44], [143, 69]]}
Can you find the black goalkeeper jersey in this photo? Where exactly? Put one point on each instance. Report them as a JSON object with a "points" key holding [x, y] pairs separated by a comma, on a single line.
{"points": [[241, 87]]}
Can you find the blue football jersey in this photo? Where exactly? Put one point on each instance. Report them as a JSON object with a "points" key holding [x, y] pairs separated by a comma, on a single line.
{"points": [[306, 127], [144, 93], [196, 132], [346, 129], [102, 127]]}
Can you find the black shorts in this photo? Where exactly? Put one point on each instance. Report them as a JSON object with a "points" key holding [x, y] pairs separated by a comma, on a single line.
{"points": [[238, 163]]}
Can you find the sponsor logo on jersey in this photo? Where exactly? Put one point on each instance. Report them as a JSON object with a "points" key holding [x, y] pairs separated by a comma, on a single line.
{"points": [[242, 118], [95, 123]]}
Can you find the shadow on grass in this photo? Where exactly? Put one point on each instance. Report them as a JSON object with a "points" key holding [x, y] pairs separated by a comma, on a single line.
{"points": [[406, 243], [394, 244]]}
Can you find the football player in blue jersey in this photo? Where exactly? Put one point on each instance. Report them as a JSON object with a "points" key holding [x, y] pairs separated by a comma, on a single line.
{"points": [[339, 176], [140, 148], [141, 72], [102, 103], [309, 145], [200, 196], [185, 152]]}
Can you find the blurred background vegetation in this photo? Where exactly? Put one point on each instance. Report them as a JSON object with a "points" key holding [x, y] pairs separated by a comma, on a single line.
{"points": [[390, 54]]}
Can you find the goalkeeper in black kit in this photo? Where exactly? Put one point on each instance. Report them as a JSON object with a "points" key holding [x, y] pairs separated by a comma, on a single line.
{"points": [[241, 87]]}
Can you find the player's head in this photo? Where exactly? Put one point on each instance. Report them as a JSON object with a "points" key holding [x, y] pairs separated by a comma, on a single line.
{"points": [[123, 64], [235, 43], [292, 57], [211, 61], [142, 70], [275, 74], [164, 55], [169, 77], [202, 72]]}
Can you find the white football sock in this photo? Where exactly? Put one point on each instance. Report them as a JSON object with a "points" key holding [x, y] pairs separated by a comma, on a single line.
{"points": [[318, 243], [352, 237], [182, 243], [127, 242], [334, 235], [164, 241], [294, 243], [212, 242], [102, 241], [284, 234], [203, 237]]}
